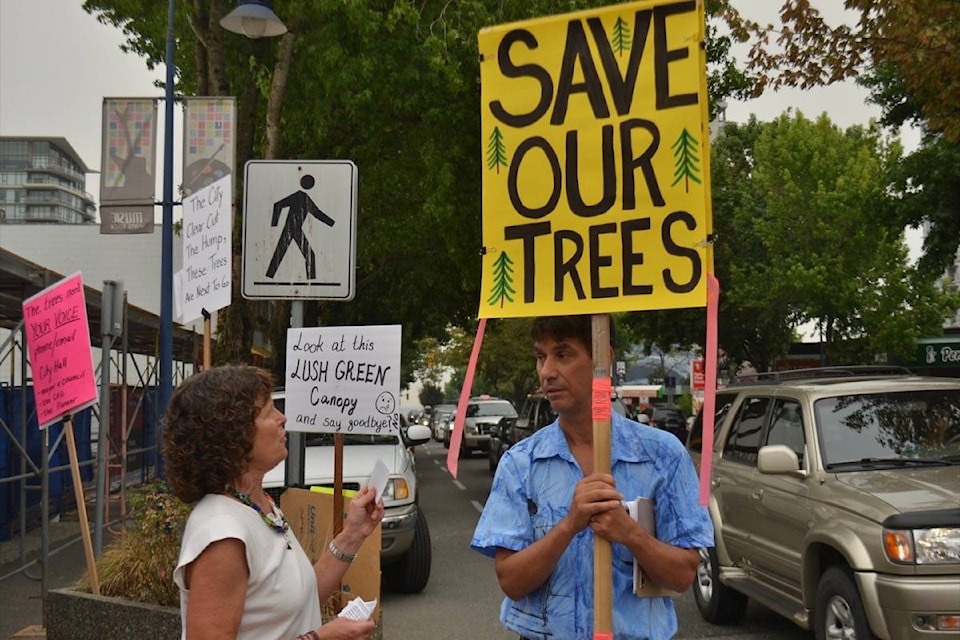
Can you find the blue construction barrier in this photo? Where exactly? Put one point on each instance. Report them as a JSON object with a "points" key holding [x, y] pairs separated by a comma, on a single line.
{"points": [[60, 483]]}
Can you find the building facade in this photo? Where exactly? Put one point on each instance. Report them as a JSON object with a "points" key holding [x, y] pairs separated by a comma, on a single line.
{"points": [[43, 180]]}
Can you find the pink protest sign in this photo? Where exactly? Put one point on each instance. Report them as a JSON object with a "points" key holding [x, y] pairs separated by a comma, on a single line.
{"points": [[58, 342]]}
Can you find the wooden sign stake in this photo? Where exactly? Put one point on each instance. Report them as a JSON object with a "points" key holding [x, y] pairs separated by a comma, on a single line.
{"points": [[206, 339], [81, 504], [338, 497], [602, 552]]}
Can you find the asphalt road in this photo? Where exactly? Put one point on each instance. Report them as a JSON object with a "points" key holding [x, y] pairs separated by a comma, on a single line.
{"points": [[462, 599]]}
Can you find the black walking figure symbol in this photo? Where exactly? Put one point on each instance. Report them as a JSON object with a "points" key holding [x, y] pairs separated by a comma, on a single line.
{"points": [[299, 205]]}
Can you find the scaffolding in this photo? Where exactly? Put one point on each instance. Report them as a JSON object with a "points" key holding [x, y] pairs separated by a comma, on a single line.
{"points": [[116, 439]]}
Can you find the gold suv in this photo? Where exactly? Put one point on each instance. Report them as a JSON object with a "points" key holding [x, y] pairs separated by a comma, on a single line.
{"points": [[836, 502]]}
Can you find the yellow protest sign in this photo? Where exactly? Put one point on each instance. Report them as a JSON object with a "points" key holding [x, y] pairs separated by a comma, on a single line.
{"points": [[595, 176]]}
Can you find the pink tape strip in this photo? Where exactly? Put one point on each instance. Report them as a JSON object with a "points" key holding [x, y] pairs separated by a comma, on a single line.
{"points": [[456, 437], [600, 404], [709, 388]]}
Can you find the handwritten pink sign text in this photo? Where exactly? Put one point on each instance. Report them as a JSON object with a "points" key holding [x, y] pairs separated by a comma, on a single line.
{"points": [[58, 342]]}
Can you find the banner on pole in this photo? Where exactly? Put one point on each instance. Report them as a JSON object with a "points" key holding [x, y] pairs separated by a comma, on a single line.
{"points": [[209, 141], [128, 162]]}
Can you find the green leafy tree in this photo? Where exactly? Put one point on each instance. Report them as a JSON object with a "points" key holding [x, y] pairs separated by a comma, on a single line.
{"points": [[925, 186], [748, 330], [907, 52], [810, 245], [505, 365], [431, 395], [921, 38]]}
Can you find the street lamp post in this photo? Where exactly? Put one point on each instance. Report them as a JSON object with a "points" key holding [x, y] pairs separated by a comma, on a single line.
{"points": [[166, 255], [254, 19]]}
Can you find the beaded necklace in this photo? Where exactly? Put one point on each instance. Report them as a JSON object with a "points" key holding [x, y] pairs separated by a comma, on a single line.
{"points": [[274, 520]]}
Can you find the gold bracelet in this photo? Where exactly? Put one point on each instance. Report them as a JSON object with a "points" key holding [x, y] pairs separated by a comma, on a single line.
{"points": [[339, 554]]}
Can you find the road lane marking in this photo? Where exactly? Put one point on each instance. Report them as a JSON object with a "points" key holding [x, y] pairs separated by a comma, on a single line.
{"points": [[459, 485], [477, 505]]}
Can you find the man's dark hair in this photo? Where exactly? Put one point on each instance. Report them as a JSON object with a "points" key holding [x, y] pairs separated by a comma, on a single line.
{"points": [[578, 327]]}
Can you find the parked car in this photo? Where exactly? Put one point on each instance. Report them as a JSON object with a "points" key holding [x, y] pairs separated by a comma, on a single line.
{"points": [[535, 414], [482, 413], [835, 503], [670, 418], [405, 550], [441, 416]]}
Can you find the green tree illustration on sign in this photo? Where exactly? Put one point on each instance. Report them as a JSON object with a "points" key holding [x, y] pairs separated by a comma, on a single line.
{"points": [[621, 36], [502, 280], [496, 151], [687, 162]]}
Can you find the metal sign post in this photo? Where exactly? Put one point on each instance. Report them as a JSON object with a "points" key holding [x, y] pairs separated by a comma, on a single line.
{"points": [[299, 243]]}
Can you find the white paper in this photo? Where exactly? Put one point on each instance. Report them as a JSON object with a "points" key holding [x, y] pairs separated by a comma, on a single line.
{"points": [[358, 609], [379, 477]]}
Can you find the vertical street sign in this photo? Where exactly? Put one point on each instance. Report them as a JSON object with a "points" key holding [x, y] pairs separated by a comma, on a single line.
{"points": [[299, 229]]}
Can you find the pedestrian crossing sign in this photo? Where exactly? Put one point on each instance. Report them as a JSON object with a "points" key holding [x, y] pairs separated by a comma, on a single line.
{"points": [[299, 229]]}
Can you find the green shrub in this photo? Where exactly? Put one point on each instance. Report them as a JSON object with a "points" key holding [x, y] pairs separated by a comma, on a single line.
{"points": [[139, 565]]}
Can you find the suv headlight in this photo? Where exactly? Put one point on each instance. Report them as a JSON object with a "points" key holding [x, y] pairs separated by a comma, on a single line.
{"points": [[396, 489], [939, 545]]}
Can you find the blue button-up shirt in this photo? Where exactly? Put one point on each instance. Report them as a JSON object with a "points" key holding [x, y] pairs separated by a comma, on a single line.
{"points": [[532, 492]]}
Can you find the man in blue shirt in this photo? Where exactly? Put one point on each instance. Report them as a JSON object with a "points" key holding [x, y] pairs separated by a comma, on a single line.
{"points": [[546, 506]]}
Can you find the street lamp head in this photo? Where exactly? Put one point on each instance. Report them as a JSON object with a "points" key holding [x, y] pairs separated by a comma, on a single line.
{"points": [[254, 19]]}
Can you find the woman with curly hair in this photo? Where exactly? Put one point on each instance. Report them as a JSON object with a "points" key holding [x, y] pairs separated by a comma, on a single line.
{"points": [[242, 573]]}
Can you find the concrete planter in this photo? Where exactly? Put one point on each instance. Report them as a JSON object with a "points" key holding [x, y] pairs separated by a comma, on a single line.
{"points": [[76, 615]]}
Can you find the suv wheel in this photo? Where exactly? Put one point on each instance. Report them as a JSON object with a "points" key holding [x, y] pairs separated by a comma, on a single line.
{"points": [[411, 572], [718, 604], [839, 612]]}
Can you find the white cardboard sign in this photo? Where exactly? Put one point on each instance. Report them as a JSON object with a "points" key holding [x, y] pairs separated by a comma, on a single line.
{"points": [[343, 379], [207, 275]]}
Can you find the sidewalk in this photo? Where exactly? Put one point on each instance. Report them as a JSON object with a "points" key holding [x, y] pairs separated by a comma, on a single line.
{"points": [[21, 593]]}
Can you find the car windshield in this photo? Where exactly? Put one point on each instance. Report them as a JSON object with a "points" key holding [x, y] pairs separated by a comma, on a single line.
{"points": [[491, 408], [860, 431]]}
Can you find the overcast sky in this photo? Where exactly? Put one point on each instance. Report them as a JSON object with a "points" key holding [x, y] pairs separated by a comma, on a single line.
{"points": [[57, 63]]}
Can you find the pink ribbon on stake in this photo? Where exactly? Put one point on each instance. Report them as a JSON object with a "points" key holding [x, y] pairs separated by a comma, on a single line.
{"points": [[453, 455], [709, 388]]}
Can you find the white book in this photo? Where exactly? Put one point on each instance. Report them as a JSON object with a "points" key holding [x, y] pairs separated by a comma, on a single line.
{"points": [[642, 510]]}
